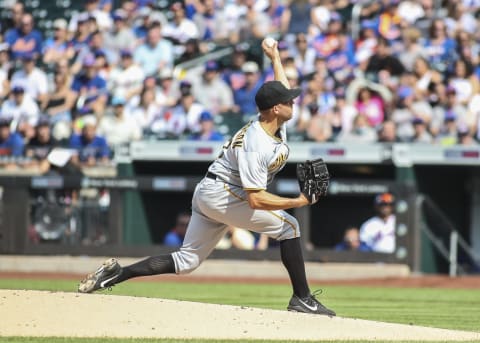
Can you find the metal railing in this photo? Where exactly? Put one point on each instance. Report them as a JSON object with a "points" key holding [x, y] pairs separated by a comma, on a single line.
{"points": [[448, 229]]}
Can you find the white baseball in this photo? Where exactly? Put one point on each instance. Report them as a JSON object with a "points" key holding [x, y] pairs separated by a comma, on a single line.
{"points": [[269, 41]]}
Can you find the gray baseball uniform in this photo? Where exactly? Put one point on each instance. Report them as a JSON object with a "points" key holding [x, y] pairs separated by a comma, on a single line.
{"points": [[249, 161]]}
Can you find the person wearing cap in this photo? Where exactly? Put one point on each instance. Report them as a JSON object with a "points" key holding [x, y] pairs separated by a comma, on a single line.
{"points": [[168, 91], [92, 10], [90, 149], [207, 130], [119, 128], [420, 132], [11, 144], [89, 89], [378, 232], [234, 193], [122, 35], [245, 96], [126, 79], [23, 111], [448, 134], [33, 79], [57, 48], [212, 91], [156, 53], [408, 108], [25, 39]]}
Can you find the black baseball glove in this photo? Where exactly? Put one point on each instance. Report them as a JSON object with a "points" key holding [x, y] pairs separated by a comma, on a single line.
{"points": [[313, 179]]}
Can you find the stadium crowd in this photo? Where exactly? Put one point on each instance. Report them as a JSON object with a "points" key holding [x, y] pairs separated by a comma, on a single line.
{"points": [[405, 71]]}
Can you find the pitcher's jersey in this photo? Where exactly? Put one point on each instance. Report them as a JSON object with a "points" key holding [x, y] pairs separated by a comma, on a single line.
{"points": [[251, 158]]}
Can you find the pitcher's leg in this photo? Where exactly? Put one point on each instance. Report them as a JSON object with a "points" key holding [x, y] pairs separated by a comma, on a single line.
{"points": [[203, 235]]}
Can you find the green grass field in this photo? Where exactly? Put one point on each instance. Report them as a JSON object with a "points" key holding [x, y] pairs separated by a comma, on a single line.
{"points": [[441, 308]]}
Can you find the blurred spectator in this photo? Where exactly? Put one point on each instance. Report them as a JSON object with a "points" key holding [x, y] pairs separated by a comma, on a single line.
{"points": [[244, 97], [253, 25], [89, 89], [296, 17], [463, 80], [24, 40], [274, 10], [168, 88], [156, 53], [304, 54], [174, 237], [351, 241], [207, 129], [439, 47], [4, 70], [233, 74], [361, 132], [81, 35], [378, 232], [467, 46], [465, 136], [180, 29], [118, 128], [91, 149], [319, 128], [370, 105], [23, 111], [211, 22], [143, 108], [346, 110], [387, 132], [92, 10], [389, 22], [412, 48], [126, 80], [32, 79], [420, 132], [188, 107], [11, 144], [58, 102], [14, 20], [121, 36], [57, 47], [211, 91], [191, 50], [407, 108], [383, 64], [40, 146], [448, 132]]}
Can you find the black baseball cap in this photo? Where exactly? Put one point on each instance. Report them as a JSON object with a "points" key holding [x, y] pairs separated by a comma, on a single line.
{"points": [[273, 93]]}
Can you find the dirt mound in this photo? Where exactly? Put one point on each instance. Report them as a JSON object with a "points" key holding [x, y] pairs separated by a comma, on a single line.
{"points": [[41, 313]]}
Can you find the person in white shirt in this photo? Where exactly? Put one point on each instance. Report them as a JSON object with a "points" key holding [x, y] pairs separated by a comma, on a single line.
{"points": [[23, 111], [126, 80], [32, 79], [378, 232], [119, 128]]}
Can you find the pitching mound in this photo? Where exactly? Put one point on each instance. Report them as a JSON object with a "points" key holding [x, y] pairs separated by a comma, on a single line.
{"points": [[40, 313]]}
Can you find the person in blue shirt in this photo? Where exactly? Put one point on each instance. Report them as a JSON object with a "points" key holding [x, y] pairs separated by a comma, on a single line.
{"points": [[245, 96], [11, 144], [89, 89], [174, 237], [91, 148], [351, 241], [207, 129], [25, 39]]}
